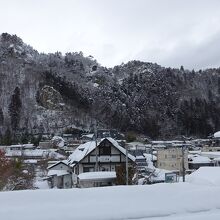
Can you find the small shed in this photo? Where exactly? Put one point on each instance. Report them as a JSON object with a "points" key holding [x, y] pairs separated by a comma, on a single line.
{"points": [[59, 175]]}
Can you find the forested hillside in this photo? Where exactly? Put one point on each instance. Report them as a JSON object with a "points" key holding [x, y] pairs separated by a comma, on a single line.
{"points": [[48, 93]]}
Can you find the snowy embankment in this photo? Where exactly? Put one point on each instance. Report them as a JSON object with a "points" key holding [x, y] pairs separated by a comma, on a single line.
{"points": [[159, 201]]}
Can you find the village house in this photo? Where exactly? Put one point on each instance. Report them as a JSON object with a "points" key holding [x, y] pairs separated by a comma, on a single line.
{"points": [[196, 161], [105, 156], [213, 144], [60, 175], [108, 155], [170, 158], [45, 144], [86, 137]]}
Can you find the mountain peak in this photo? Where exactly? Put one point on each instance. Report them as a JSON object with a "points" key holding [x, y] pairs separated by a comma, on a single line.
{"points": [[12, 39]]}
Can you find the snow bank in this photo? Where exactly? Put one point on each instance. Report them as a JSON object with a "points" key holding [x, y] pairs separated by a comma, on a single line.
{"points": [[149, 202], [205, 176], [40, 184]]}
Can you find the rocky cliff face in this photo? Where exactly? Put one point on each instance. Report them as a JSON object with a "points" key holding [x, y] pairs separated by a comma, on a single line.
{"points": [[42, 93]]}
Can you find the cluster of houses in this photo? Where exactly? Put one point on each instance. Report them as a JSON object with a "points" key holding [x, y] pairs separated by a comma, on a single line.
{"points": [[98, 163], [109, 160], [29, 151]]}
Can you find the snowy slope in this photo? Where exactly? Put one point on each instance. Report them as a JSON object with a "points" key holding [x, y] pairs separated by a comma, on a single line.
{"points": [[152, 202], [205, 176]]}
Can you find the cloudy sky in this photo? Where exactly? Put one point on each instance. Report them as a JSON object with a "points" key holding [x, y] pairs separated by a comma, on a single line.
{"points": [[168, 32]]}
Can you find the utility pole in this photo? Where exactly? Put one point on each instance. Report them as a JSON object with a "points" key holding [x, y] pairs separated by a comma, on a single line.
{"points": [[183, 164], [152, 155], [126, 147], [96, 150]]}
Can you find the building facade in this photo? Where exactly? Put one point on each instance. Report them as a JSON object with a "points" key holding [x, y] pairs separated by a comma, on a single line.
{"points": [[171, 158]]}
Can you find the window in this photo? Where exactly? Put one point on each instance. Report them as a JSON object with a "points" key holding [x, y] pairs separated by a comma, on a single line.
{"points": [[88, 169], [105, 148], [104, 169], [173, 156]]}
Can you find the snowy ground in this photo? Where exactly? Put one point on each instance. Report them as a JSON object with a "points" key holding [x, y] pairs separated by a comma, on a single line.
{"points": [[149, 202]]}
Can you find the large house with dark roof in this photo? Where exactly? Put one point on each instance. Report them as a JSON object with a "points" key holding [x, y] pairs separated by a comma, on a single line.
{"points": [[105, 155], [108, 155]]}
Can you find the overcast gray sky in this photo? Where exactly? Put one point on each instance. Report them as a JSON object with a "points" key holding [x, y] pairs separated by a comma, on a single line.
{"points": [[168, 32]]}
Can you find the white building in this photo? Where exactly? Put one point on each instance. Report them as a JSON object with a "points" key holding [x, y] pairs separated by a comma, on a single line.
{"points": [[171, 158]]}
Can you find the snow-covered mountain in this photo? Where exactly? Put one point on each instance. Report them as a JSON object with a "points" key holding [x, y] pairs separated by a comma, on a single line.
{"points": [[42, 93]]}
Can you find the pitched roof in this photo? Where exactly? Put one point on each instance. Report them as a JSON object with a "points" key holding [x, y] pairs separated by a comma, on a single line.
{"points": [[120, 148], [55, 164], [84, 149], [81, 151], [57, 173]]}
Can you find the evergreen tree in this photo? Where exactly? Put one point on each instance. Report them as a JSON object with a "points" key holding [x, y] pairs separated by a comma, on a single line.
{"points": [[15, 109], [1, 117], [7, 139]]}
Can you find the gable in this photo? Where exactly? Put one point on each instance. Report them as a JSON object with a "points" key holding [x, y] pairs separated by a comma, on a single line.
{"points": [[59, 166], [107, 152]]}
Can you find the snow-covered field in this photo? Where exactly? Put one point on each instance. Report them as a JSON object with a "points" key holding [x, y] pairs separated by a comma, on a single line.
{"points": [[152, 202]]}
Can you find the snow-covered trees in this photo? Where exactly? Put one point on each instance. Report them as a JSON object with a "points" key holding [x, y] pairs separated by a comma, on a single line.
{"points": [[4, 169], [13, 176], [15, 109], [57, 142], [137, 96]]}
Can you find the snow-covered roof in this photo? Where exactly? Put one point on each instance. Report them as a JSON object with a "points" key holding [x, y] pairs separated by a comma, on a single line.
{"points": [[150, 156], [213, 154], [88, 135], [136, 144], [57, 173], [27, 153], [195, 152], [30, 161], [13, 153], [16, 146], [217, 134], [159, 146], [65, 162], [198, 159], [97, 175], [121, 149], [34, 153], [216, 159], [28, 146], [21, 146], [84, 149]]}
